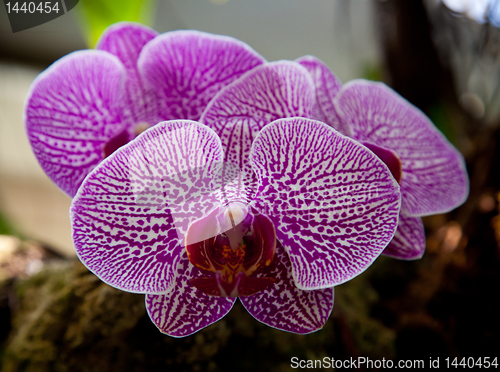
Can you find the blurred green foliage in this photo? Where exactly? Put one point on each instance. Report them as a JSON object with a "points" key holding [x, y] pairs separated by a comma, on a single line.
{"points": [[96, 15], [5, 227], [373, 72]]}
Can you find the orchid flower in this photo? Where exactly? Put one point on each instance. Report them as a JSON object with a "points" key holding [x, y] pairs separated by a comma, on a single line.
{"points": [[431, 171], [91, 102], [255, 201]]}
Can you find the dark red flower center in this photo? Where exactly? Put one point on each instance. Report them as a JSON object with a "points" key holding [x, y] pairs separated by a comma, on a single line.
{"points": [[233, 244], [122, 138], [389, 157], [119, 140]]}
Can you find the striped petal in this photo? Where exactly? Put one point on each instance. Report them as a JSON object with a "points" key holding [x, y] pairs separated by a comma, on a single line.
{"points": [[409, 241], [72, 111], [334, 203], [434, 177], [130, 215], [126, 40], [327, 86], [272, 91], [185, 310], [283, 306], [188, 68]]}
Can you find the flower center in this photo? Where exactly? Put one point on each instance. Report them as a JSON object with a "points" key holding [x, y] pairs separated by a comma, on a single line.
{"points": [[234, 245], [115, 143], [122, 138]]}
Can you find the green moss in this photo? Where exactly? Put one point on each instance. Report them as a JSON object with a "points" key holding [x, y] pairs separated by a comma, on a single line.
{"points": [[70, 321]]}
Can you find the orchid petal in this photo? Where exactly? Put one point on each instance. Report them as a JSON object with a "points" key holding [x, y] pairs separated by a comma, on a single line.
{"points": [[272, 91], [126, 40], [409, 241], [327, 86], [434, 176], [131, 214], [185, 310], [283, 306], [334, 203], [73, 109], [188, 68]]}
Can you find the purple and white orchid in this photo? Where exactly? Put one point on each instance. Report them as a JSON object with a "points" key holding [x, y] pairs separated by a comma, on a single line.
{"points": [[91, 102], [306, 209], [202, 173], [281, 255], [432, 172]]}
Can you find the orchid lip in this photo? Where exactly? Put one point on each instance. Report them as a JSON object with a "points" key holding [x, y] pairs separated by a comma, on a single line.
{"points": [[238, 244]]}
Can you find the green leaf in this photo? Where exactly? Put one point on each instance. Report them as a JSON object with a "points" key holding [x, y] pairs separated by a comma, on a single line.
{"points": [[97, 15]]}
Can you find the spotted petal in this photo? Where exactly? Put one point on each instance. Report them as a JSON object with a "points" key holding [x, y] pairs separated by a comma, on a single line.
{"points": [[333, 202], [283, 306], [188, 68], [72, 111], [272, 91], [185, 310], [126, 40], [327, 86], [409, 241], [131, 213], [434, 177]]}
